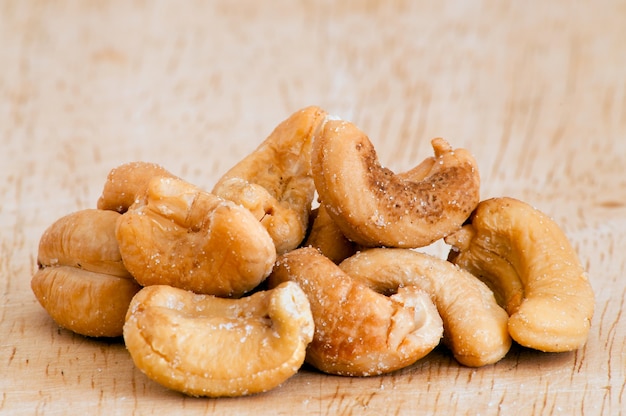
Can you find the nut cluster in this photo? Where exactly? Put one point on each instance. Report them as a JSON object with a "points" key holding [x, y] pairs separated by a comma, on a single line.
{"points": [[228, 292]]}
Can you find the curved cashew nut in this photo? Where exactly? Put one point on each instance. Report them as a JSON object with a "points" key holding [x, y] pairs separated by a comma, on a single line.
{"points": [[274, 182], [128, 182], [374, 207], [82, 282], [85, 240], [207, 346], [184, 237], [326, 236], [474, 325], [526, 259], [359, 332]]}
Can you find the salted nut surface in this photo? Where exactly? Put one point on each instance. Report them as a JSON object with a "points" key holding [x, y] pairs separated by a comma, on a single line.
{"points": [[185, 237], [203, 345], [228, 292], [81, 281], [358, 331], [475, 326], [274, 182], [527, 261], [375, 207]]}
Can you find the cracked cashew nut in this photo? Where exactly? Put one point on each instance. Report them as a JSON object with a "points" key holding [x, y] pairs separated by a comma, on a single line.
{"points": [[359, 332], [182, 236], [527, 260], [474, 325], [81, 281], [274, 182], [375, 207], [203, 345]]}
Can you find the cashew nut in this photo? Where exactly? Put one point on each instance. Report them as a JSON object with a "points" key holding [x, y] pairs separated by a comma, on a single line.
{"points": [[527, 260], [182, 236], [374, 207], [128, 182], [359, 332], [82, 282], [274, 182], [203, 345], [85, 240], [474, 325], [326, 236]]}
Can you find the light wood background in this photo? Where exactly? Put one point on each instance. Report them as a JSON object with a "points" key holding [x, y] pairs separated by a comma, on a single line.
{"points": [[536, 90]]}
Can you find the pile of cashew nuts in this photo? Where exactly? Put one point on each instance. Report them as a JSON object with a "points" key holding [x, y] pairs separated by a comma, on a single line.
{"points": [[228, 292]]}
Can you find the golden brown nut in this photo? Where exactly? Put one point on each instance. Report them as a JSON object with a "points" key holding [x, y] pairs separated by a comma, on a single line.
{"points": [[207, 346], [526, 259], [274, 182], [359, 332], [326, 236], [128, 182], [474, 325], [375, 207], [83, 239], [182, 236], [81, 281], [88, 303]]}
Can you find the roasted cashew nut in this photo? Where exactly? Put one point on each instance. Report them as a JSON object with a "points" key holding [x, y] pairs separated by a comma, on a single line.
{"points": [[359, 332], [527, 260], [128, 182], [474, 325], [82, 282], [184, 237], [326, 236], [375, 207], [202, 345], [274, 182]]}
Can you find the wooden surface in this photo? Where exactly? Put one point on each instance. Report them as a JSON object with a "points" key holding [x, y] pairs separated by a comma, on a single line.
{"points": [[536, 90]]}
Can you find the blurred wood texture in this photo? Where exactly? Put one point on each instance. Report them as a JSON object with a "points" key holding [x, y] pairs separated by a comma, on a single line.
{"points": [[535, 90]]}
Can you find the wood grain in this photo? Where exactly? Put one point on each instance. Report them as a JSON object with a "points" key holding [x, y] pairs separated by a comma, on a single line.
{"points": [[536, 90]]}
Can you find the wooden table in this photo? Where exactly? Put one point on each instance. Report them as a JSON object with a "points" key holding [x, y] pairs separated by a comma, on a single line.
{"points": [[535, 90]]}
